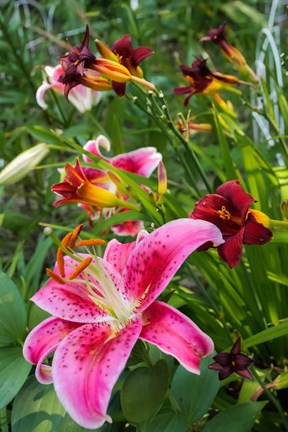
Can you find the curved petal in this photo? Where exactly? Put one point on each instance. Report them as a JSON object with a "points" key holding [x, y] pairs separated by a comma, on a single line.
{"points": [[234, 193], [175, 334], [43, 340], [93, 146], [140, 53], [86, 366], [142, 161], [155, 260], [40, 94], [231, 250], [255, 232], [71, 301]]}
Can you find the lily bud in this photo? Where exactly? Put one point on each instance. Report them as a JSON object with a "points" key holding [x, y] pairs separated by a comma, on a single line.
{"points": [[23, 164], [162, 178]]}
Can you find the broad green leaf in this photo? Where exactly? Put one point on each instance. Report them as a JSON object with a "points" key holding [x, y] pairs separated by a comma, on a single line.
{"points": [[12, 312], [13, 373], [267, 335], [166, 422], [239, 418], [144, 391], [195, 393], [36, 408]]}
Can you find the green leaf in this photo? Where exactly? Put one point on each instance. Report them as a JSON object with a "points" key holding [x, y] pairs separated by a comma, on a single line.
{"points": [[36, 408], [195, 393], [13, 373], [12, 312], [168, 422], [143, 392], [267, 335], [44, 135], [239, 418]]}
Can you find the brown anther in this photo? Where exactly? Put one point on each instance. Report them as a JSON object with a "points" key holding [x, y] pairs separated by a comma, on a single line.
{"points": [[54, 276], [75, 235], [91, 242], [82, 266]]}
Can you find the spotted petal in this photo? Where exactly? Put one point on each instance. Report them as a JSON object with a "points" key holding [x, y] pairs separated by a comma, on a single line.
{"points": [[158, 256], [42, 341], [175, 334], [86, 366], [70, 301]]}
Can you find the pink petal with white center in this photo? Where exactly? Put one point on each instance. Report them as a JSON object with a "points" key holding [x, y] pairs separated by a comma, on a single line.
{"points": [[93, 146], [86, 366], [155, 260], [142, 161], [43, 340], [175, 334], [70, 301]]}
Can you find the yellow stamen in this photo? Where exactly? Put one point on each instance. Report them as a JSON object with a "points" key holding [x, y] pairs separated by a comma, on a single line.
{"points": [[54, 276], [82, 266], [224, 214], [90, 242]]}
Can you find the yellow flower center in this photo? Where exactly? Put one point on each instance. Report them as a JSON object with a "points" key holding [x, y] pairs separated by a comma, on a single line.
{"points": [[224, 213]]}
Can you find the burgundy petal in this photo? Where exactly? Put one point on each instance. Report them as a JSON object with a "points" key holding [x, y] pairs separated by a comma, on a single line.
{"points": [[255, 232], [140, 54], [225, 372], [242, 361], [123, 46], [237, 196], [236, 347], [224, 359], [119, 88], [245, 373], [231, 250]]}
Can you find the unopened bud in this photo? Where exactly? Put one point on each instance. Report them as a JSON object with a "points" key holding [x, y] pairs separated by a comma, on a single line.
{"points": [[162, 178], [23, 164]]}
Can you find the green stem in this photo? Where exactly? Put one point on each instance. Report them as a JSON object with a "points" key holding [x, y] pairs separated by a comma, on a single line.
{"points": [[278, 224], [272, 398], [174, 404]]}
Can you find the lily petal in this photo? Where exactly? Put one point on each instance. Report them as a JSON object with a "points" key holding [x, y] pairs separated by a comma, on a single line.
{"points": [[43, 340], [70, 301], [86, 366], [234, 193], [142, 161], [176, 334], [231, 250], [159, 255], [117, 254], [128, 228], [255, 232]]}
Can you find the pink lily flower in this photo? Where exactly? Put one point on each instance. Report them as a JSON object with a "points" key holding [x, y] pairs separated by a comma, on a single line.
{"points": [[142, 161], [83, 98], [100, 308]]}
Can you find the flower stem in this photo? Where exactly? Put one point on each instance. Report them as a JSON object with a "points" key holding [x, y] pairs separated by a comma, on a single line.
{"points": [[278, 224], [271, 397]]}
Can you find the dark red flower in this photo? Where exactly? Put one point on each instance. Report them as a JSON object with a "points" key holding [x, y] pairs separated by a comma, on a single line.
{"points": [[203, 80], [229, 210], [123, 52], [75, 62], [234, 361]]}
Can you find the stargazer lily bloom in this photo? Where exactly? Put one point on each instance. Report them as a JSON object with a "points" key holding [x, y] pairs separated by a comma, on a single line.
{"points": [[142, 161], [76, 188], [218, 36], [229, 209], [83, 98], [234, 361], [123, 52], [203, 81], [101, 306]]}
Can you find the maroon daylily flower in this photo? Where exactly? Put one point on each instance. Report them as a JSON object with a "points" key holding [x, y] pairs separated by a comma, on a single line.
{"points": [[218, 36], [229, 210], [123, 52], [203, 80], [234, 361]]}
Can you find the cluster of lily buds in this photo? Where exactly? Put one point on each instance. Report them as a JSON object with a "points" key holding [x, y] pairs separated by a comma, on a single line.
{"points": [[114, 69]]}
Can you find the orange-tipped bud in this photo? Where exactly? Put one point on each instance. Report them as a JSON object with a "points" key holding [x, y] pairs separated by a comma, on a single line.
{"points": [[162, 178], [113, 70]]}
